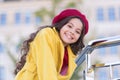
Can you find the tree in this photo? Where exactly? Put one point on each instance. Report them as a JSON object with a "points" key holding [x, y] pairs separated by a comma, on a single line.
{"points": [[41, 13]]}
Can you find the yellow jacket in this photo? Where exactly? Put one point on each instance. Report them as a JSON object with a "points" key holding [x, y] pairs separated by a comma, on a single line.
{"points": [[45, 58]]}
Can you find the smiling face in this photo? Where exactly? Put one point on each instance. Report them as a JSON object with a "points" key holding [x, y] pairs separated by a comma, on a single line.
{"points": [[71, 31]]}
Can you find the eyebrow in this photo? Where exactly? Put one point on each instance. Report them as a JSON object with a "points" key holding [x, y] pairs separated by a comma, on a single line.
{"points": [[74, 26], [71, 23]]}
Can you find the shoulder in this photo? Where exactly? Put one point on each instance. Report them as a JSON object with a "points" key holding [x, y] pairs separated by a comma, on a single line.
{"points": [[48, 34], [46, 31]]}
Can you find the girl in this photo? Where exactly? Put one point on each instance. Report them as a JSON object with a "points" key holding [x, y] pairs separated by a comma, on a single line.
{"points": [[49, 53]]}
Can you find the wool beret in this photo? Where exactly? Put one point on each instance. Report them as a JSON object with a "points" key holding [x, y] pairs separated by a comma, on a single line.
{"points": [[71, 12]]}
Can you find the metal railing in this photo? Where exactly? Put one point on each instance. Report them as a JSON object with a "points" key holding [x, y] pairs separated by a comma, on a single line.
{"points": [[87, 51]]}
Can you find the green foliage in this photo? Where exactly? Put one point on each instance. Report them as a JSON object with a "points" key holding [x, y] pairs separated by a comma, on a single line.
{"points": [[71, 4], [41, 13], [55, 5], [76, 75]]}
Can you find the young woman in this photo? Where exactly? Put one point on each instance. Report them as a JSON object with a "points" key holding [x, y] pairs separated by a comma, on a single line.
{"points": [[49, 53]]}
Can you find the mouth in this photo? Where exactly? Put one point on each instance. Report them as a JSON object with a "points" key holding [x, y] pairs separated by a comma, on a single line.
{"points": [[68, 35]]}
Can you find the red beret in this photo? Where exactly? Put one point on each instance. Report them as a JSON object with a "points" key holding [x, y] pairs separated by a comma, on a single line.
{"points": [[71, 12]]}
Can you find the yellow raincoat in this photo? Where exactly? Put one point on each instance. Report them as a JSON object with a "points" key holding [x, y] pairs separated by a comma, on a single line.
{"points": [[45, 58]]}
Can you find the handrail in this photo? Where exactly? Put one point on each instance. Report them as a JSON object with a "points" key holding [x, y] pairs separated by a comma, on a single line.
{"points": [[98, 43], [106, 65]]}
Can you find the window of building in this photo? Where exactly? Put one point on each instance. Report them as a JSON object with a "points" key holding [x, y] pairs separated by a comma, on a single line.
{"points": [[116, 71], [102, 51], [38, 20], [111, 14], [102, 74], [1, 48], [100, 14], [17, 18], [28, 18], [114, 50], [2, 73], [3, 19]]}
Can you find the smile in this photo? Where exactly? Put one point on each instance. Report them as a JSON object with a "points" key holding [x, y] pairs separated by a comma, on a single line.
{"points": [[68, 36]]}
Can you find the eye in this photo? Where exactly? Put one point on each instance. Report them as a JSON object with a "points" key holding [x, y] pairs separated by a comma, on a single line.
{"points": [[78, 32], [69, 26]]}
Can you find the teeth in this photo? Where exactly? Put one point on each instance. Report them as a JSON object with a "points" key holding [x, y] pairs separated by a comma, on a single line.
{"points": [[68, 36]]}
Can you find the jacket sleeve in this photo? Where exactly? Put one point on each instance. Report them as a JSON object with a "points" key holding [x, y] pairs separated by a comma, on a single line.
{"points": [[42, 48]]}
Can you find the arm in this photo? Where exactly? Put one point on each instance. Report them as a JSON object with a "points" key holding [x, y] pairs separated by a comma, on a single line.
{"points": [[42, 49]]}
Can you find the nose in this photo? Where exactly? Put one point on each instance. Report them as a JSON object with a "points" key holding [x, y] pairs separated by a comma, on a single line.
{"points": [[72, 32]]}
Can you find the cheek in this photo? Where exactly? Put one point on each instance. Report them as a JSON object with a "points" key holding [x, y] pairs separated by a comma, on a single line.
{"points": [[61, 34], [77, 37]]}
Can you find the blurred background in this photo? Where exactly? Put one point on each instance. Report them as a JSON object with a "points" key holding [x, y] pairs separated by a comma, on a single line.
{"points": [[19, 18]]}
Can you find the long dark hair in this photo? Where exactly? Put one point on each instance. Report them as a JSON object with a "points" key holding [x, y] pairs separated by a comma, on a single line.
{"points": [[76, 47]]}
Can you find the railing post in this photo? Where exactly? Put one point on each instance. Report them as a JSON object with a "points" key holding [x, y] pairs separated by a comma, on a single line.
{"points": [[111, 72], [85, 54]]}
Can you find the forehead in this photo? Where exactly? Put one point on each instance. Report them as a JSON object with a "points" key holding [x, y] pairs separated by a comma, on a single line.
{"points": [[76, 22]]}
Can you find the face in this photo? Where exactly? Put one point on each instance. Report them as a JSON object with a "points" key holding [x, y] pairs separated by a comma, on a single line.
{"points": [[71, 31]]}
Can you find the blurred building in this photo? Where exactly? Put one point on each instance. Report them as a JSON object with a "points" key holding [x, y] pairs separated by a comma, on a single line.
{"points": [[17, 20], [104, 19]]}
